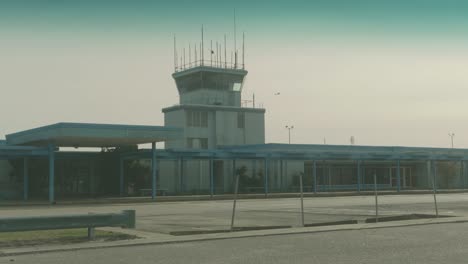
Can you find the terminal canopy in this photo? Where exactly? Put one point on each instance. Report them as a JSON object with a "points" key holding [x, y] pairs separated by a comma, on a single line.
{"points": [[92, 135]]}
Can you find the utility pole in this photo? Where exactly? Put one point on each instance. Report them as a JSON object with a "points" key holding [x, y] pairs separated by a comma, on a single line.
{"points": [[451, 135], [289, 132]]}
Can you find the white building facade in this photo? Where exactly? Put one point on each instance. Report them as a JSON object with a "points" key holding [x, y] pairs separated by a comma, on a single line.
{"points": [[210, 110]]}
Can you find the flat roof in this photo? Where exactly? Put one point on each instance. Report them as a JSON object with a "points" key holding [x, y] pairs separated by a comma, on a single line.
{"points": [[7, 151], [213, 108], [310, 152], [207, 68], [93, 135], [342, 148]]}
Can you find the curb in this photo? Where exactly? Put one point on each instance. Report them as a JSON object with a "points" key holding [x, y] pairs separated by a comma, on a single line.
{"points": [[126, 200], [166, 239]]}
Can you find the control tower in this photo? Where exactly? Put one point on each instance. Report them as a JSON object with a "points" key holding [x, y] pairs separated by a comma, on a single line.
{"points": [[210, 109]]}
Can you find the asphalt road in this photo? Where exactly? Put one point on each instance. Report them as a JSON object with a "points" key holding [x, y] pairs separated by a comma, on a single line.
{"points": [[440, 243], [165, 217]]}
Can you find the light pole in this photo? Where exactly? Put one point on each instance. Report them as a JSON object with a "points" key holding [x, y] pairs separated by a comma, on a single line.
{"points": [[451, 135], [289, 132]]}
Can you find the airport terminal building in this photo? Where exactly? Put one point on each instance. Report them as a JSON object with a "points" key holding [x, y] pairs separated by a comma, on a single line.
{"points": [[209, 139]]}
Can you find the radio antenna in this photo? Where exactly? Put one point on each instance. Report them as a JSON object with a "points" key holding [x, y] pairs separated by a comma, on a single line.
{"points": [[235, 32], [175, 54], [243, 50], [201, 47], [225, 54]]}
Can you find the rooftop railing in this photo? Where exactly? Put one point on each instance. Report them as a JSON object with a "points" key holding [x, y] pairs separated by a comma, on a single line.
{"points": [[210, 63]]}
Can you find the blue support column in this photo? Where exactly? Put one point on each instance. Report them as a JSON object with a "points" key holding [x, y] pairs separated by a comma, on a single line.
{"points": [[181, 169], [266, 163], [121, 177], [153, 170], [314, 174], [211, 177], [398, 176], [51, 173], [461, 175], [254, 169], [359, 175], [462, 168], [429, 170], [281, 175], [434, 167], [25, 179]]}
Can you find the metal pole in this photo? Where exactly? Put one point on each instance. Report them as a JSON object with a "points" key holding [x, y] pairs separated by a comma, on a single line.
{"points": [[302, 199], [434, 187], [289, 132], [91, 233], [236, 188], [376, 199], [234, 169]]}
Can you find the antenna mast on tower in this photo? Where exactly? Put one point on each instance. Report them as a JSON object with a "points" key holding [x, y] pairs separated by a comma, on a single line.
{"points": [[175, 54], [243, 50], [202, 50], [225, 53], [235, 40]]}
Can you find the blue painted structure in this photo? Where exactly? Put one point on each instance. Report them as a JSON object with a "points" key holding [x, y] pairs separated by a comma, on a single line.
{"points": [[92, 135], [44, 143]]}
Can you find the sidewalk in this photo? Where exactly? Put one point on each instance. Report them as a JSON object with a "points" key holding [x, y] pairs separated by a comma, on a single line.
{"points": [[148, 238]]}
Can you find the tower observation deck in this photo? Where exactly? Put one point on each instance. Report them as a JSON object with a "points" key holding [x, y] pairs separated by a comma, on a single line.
{"points": [[209, 108], [208, 85], [212, 80]]}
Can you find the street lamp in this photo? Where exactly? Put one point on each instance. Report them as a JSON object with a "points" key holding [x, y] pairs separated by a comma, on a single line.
{"points": [[451, 135], [289, 132]]}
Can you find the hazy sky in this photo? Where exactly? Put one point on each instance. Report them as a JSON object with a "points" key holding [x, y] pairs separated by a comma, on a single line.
{"points": [[386, 72]]}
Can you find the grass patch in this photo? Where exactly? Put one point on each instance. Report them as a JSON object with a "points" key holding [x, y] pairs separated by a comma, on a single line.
{"points": [[403, 217], [52, 237], [236, 229]]}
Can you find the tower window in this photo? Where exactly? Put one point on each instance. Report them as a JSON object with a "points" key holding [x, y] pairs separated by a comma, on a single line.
{"points": [[236, 87], [197, 143], [197, 118], [240, 120]]}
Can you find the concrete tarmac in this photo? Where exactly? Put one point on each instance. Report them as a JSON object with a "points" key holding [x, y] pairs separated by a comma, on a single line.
{"points": [[163, 218]]}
